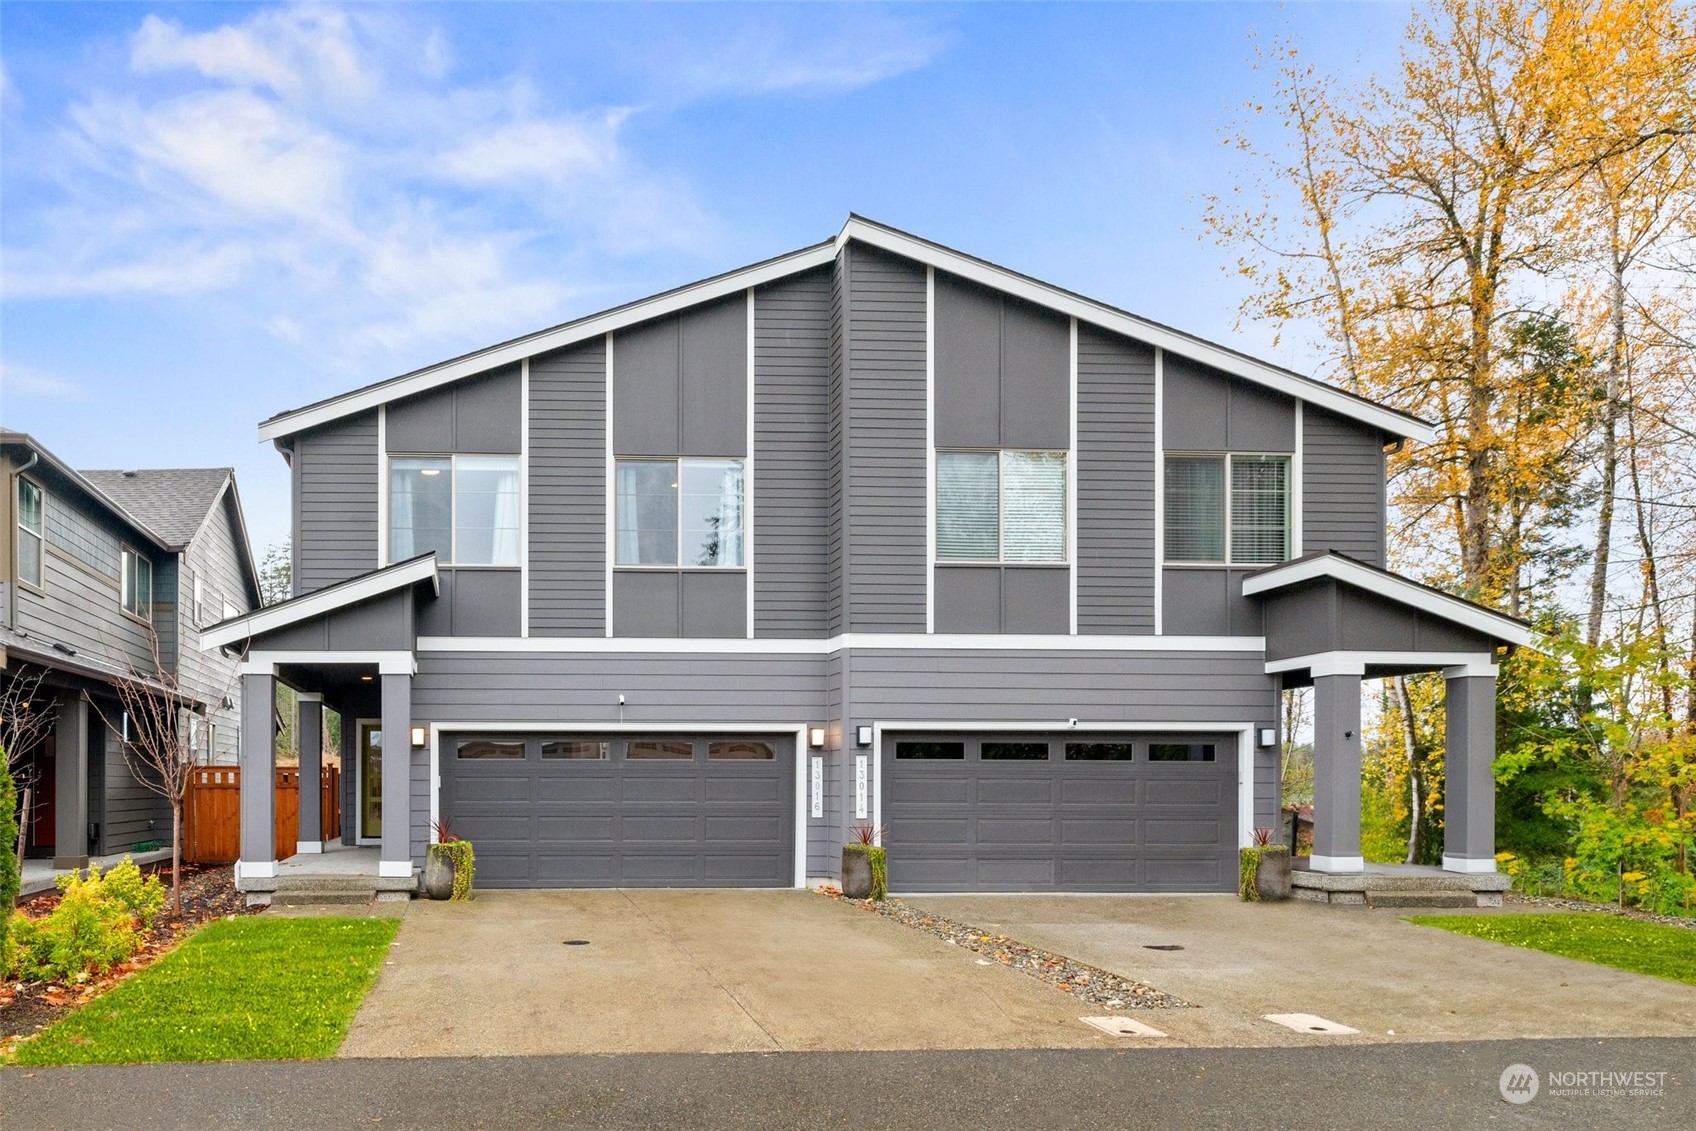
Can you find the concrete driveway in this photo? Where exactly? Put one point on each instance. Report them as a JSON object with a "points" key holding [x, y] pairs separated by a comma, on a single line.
{"points": [[690, 971], [1366, 969]]}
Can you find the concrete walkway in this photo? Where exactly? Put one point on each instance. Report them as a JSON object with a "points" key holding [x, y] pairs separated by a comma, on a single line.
{"points": [[1367, 969], [690, 971]]}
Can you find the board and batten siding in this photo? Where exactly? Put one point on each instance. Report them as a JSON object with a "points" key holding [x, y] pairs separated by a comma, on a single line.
{"points": [[335, 498], [887, 543], [1343, 501], [568, 492], [1115, 555], [792, 472]]}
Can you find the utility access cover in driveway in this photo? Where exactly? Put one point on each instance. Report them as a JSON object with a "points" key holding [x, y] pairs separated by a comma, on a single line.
{"points": [[1061, 812], [667, 810]]}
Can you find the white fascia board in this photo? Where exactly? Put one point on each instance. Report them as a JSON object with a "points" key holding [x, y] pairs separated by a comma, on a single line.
{"points": [[1399, 589], [317, 604], [1342, 662], [1290, 384], [591, 645], [386, 663], [508, 353]]}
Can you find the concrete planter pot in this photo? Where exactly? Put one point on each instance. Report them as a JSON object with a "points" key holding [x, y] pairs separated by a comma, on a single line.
{"points": [[448, 870], [1272, 873], [863, 875]]}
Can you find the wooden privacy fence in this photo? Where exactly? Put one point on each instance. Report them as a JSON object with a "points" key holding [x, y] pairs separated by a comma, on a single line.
{"points": [[212, 812]]}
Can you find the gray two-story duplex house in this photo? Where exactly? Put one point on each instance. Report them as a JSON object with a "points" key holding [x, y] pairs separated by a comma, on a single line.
{"points": [[872, 533], [109, 575]]}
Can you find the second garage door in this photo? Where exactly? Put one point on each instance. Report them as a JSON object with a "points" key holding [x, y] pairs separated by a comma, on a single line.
{"points": [[1021, 812], [664, 810]]}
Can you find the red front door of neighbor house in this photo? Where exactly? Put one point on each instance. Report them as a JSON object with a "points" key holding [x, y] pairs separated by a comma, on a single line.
{"points": [[44, 765]]}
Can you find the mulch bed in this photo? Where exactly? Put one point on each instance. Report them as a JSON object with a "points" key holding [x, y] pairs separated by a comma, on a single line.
{"points": [[209, 892], [1090, 984], [1556, 904]]}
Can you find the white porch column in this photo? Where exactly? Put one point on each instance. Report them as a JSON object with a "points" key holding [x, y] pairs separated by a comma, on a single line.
{"points": [[1336, 769], [395, 856], [1469, 778], [258, 775], [309, 736]]}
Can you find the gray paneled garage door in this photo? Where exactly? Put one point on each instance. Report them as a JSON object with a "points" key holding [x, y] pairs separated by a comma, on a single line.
{"points": [[664, 810], [1019, 812]]}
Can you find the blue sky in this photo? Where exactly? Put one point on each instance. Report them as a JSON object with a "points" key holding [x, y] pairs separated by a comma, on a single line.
{"points": [[211, 213]]}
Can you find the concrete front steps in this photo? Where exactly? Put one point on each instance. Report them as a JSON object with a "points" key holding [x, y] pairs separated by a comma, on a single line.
{"points": [[326, 890], [1400, 886]]}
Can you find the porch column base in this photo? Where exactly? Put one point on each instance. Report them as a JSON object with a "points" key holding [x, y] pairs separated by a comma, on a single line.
{"points": [[1469, 865], [70, 862], [309, 846], [255, 869], [394, 869], [1336, 863]]}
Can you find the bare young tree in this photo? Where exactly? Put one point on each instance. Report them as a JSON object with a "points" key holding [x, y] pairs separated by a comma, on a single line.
{"points": [[158, 747], [26, 716]]}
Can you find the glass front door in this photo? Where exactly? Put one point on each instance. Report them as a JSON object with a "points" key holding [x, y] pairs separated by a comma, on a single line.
{"points": [[370, 781]]}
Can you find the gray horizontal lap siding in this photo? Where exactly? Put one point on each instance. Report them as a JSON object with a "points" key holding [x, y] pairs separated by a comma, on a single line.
{"points": [[887, 463], [1116, 484], [336, 491], [835, 576], [1343, 501], [568, 492], [131, 811], [213, 557], [792, 465], [79, 604]]}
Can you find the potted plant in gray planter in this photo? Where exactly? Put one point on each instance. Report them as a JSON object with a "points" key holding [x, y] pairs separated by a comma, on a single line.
{"points": [[1265, 870], [449, 865], [864, 871]]}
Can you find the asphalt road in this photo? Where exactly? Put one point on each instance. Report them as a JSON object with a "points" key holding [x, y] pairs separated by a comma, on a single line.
{"points": [[1450, 1085]]}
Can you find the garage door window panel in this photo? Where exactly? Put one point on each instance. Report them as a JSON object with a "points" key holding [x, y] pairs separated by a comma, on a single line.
{"points": [[1182, 752], [649, 750], [574, 750], [490, 750], [1100, 751], [740, 751], [1015, 752], [931, 751]]}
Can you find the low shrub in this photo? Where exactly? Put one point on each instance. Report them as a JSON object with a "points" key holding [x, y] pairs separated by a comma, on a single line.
{"points": [[10, 879], [98, 923]]}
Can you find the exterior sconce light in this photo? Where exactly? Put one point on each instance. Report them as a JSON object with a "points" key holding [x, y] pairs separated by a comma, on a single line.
{"points": [[815, 737], [417, 736], [1268, 737], [862, 736]]}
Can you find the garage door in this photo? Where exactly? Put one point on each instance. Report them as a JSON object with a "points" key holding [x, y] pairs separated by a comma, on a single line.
{"points": [[664, 810], [1020, 812]]}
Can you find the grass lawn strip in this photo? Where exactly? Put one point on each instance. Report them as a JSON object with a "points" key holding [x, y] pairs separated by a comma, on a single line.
{"points": [[1607, 940], [241, 989]]}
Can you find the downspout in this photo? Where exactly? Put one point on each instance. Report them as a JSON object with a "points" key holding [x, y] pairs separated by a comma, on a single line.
{"points": [[12, 589]]}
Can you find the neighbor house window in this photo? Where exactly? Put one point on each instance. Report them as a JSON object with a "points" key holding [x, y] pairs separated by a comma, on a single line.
{"points": [[465, 508], [30, 537], [679, 512], [1001, 506], [1227, 509], [137, 585], [199, 598]]}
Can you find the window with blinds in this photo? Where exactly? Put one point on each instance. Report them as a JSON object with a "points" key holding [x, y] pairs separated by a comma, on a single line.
{"points": [[1227, 509], [1005, 506]]}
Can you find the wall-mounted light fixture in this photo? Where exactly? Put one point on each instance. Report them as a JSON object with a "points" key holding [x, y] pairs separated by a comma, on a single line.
{"points": [[862, 736], [365, 679], [815, 737], [1268, 737], [418, 736]]}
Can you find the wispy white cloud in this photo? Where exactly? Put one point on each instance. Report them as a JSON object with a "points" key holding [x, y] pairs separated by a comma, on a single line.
{"points": [[33, 384], [829, 53]]}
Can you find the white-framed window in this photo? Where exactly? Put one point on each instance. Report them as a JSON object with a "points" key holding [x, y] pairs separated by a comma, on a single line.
{"points": [[136, 594], [199, 606], [32, 540], [679, 512], [1001, 506], [465, 508], [230, 611], [1231, 509]]}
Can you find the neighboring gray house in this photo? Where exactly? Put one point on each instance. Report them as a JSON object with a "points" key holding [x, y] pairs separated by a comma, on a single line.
{"points": [[96, 566], [870, 533]]}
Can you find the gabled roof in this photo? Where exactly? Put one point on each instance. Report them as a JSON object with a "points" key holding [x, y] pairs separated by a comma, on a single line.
{"points": [[363, 587], [81, 482], [868, 232], [173, 501], [1328, 564]]}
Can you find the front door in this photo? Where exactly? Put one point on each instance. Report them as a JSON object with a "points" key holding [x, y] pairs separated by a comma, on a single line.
{"points": [[370, 781]]}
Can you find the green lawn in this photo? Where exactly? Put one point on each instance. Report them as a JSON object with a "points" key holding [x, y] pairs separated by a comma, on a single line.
{"points": [[240, 989], [1608, 940]]}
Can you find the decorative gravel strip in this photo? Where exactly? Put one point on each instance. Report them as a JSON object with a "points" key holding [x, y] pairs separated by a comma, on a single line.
{"points": [[1684, 921], [1086, 983]]}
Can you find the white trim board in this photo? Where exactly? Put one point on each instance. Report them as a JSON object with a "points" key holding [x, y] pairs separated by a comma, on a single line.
{"points": [[1072, 478], [524, 498], [1339, 662], [930, 449], [386, 663], [324, 601], [1400, 589], [1159, 476], [872, 234], [610, 548], [1249, 645], [749, 527]]}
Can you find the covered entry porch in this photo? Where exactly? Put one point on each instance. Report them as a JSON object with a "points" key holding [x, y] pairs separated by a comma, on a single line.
{"points": [[1333, 622]]}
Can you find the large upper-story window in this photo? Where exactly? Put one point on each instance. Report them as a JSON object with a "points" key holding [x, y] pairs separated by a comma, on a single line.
{"points": [[137, 592], [1004, 506], [679, 512], [1228, 509], [465, 508], [31, 541]]}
